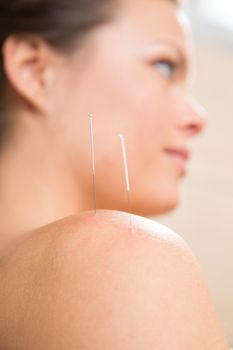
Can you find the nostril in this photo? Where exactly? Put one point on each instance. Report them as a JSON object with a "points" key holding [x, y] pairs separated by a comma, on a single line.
{"points": [[198, 120], [195, 128]]}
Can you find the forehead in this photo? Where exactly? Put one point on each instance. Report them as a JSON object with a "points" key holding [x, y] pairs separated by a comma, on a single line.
{"points": [[149, 20]]}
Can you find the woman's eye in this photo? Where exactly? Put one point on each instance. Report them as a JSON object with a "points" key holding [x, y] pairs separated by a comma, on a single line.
{"points": [[166, 68]]}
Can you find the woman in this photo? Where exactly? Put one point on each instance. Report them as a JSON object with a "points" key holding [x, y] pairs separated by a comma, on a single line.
{"points": [[70, 278]]}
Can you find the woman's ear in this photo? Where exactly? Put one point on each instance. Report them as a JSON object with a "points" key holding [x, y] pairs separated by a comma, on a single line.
{"points": [[27, 64]]}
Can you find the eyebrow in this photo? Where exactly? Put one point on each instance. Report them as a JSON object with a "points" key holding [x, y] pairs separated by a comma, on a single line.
{"points": [[183, 56]]}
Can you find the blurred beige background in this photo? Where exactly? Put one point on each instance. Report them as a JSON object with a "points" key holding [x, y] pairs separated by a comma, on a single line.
{"points": [[205, 217]]}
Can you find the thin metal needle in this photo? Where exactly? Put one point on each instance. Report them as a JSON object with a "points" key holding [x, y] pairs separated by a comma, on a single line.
{"points": [[123, 149], [93, 159]]}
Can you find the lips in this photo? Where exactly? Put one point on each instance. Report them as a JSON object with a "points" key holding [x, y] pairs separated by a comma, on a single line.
{"points": [[182, 153], [180, 156]]}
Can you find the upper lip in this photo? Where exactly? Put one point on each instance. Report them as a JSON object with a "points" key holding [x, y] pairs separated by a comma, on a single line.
{"points": [[182, 152]]}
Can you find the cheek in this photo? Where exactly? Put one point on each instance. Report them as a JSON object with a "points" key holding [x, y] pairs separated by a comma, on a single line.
{"points": [[123, 100], [138, 108], [129, 104]]}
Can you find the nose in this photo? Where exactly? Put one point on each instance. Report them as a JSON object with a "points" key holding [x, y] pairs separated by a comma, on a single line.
{"points": [[195, 117]]}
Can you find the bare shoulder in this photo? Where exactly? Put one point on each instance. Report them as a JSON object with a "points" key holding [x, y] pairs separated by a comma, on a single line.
{"points": [[93, 283]]}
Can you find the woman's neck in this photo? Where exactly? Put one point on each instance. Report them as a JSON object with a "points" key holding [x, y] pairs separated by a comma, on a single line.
{"points": [[36, 187]]}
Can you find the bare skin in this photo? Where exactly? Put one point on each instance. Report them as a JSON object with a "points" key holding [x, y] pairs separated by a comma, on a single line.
{"points": [[86, 281]]}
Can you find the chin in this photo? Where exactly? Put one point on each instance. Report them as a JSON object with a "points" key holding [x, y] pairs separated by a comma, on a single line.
{"points": [[155, 210], [156, 206], [149, 202]]}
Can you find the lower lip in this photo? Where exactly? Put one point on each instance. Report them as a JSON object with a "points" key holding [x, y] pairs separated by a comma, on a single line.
{"points": [[179, 160]]}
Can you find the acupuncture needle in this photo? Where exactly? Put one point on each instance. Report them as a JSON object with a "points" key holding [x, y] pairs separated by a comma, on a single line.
{"points": [[92, 159], [124, 157]]}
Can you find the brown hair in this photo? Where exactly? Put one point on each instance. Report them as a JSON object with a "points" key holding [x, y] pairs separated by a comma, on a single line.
{"points": [[59, 22]]}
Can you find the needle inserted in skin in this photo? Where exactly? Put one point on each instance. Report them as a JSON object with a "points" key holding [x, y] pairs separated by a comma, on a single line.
{"points": [[123, 149], [93, 159]]}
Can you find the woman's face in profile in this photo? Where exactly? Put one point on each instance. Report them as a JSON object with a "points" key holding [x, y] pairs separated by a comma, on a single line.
{"points": [[132, 75]]}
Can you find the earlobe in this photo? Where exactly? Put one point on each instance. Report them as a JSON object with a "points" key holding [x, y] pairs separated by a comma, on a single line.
{"points": [[25, 64]]}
